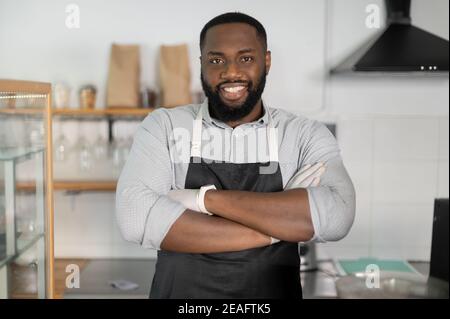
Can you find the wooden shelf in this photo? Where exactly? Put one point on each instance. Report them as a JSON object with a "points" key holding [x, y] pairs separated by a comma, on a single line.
{"points": [[74, 186], [81, 112], [23, 111], [18, 86], [103, 112]]}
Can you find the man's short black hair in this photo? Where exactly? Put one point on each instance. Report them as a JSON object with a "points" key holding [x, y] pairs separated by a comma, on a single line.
{"points": [[235, 17]]}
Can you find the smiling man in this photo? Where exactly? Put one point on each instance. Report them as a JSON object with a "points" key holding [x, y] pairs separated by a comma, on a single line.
{"points": [[227, 189]]}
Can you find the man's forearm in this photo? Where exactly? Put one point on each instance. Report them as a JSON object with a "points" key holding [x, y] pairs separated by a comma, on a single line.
{"points": [[283, 215], [194, 232]]}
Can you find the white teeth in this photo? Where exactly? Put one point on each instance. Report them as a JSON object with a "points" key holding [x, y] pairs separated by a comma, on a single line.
{"points": [[234, 89]]}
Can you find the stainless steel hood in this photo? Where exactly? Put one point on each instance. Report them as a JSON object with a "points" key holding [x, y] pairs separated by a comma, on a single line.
{"points": [[401, 47]]}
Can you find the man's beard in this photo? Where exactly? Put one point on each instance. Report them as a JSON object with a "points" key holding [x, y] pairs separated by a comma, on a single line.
{"points": [[219, 110]]}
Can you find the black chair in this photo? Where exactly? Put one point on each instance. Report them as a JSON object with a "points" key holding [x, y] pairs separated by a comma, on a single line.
{"points": [[439, 245]]}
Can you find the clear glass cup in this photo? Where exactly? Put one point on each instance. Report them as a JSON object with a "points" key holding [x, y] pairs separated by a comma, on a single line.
{"points": [[61, 148], [100, 148], [85, 154], [36, 134]]}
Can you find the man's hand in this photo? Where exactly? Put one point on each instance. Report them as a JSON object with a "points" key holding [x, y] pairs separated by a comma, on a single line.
{"points": [[308, 176], [193, 199]]}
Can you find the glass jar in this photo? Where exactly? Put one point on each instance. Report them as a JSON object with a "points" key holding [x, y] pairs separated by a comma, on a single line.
{"points": [[61, 95], [87, 96]]}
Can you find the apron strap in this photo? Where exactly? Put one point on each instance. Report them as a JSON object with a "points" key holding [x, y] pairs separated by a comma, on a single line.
{"points": [[272, 140], [196, 144]]}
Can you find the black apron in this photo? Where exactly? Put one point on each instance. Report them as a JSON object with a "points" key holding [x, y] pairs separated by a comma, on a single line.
{"points": [[267, 272]]}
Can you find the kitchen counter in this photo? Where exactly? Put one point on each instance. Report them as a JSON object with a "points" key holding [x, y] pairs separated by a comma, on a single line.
{"points": [[96, 276], [320, 283]]}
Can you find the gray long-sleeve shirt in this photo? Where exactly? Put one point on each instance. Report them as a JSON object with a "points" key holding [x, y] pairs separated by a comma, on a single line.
{"points": [[159, 159]]}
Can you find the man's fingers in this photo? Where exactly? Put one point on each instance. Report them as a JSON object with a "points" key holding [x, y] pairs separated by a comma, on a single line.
{"points": [[320, 171], [308, 181], [308, 172], [315, 182], [306, 176], [304, 168]]}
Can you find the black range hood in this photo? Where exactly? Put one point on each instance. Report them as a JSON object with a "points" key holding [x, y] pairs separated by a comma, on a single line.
{"points": [[401, 47]]}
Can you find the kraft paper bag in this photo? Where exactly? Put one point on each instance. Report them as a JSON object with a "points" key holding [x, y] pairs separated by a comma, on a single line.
{"points": [[123, 78], [175, 76]]}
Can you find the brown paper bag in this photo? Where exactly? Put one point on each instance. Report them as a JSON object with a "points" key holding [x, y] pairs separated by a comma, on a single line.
{"points": [[124, 74], [175, 76]]}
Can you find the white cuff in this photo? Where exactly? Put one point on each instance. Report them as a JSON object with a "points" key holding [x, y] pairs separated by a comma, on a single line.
{"points": [[201, 198]]}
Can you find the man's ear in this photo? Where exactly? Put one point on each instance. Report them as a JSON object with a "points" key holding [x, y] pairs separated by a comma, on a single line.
{"points": [[268, 61]]}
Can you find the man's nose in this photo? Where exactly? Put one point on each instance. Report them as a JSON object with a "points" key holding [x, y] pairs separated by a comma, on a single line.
{"points": [[231, 72]]}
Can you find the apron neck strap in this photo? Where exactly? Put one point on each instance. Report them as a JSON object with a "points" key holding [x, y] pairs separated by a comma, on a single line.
{"points": [[196, 144], [272, 140]]}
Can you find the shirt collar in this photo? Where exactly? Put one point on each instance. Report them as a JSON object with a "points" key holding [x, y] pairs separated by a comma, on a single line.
{"points": [[262, 121]]}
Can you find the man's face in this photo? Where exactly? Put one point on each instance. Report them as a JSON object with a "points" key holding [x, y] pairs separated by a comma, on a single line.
{"points": [[234, 64]]}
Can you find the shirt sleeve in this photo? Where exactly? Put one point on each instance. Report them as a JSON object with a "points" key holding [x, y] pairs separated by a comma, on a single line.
{"points": [[144, 212], [332, 203]]}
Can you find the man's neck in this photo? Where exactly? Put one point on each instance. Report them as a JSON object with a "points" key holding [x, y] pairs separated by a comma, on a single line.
{"points": [[255, 114]]}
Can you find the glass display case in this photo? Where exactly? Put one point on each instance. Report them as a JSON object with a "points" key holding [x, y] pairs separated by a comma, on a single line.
{"points": [[26, 198]]}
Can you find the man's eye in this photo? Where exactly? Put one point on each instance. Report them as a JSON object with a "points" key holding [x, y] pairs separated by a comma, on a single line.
{"points": [[215, 61], [247, 59]]}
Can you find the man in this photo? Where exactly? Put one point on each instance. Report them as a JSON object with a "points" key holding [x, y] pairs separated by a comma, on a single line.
{"points": [[225, 190]]}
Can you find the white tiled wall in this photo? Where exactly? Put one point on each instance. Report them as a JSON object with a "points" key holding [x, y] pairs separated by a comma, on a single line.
{"points": [[406, 139], [404, 181], [443, 138], [442, 179], [396, 182], [401, 227]]}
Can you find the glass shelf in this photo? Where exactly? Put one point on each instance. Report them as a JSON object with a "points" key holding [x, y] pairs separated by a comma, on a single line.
{"points": [[22, 246], [11, 153]]}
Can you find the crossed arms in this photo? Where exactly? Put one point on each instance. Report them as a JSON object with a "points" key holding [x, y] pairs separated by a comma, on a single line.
{"points": [[242, 220]]}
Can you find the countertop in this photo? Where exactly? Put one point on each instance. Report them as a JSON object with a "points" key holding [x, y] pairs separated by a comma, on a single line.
{"points": [[96, 277], [321, 283]]}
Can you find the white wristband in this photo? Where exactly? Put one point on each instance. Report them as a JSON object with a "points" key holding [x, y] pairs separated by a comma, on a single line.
{"points": [[201, 198]]}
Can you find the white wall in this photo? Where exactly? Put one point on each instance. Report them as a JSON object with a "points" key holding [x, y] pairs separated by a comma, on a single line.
{"points": [[36, 44], [393, 130]]}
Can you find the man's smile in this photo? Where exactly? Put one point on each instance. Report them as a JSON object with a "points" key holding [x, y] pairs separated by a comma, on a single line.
{"points": [[233, 92]]}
